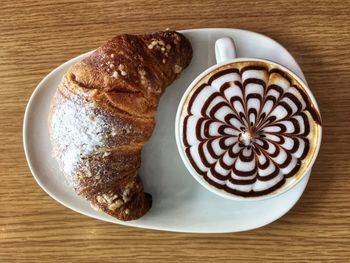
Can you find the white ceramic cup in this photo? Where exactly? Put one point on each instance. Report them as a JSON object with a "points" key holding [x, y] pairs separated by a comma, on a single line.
{"points": [[225, 53]]}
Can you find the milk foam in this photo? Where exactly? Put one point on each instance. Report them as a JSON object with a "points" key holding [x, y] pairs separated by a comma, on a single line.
{"points": [[247, 130]]}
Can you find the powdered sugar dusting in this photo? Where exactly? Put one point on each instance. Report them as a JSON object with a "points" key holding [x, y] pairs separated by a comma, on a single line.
{"points": [[78, 131]]}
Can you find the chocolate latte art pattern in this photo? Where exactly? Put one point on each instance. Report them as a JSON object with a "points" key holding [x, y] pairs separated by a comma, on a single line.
{"points": [[249, 128]]}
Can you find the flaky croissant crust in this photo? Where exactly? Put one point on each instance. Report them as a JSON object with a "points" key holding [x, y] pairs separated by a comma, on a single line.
{"points": [[103, 113]]}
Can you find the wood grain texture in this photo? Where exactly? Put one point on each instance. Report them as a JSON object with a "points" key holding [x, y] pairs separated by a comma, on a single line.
{"points": [[37, 36]]}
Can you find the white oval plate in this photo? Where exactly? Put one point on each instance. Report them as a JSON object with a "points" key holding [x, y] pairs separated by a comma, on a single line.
{"points": [[179, 202]]}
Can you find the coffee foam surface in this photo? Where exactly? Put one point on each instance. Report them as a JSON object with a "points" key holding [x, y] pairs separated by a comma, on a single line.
{"points": [[249, 128]]}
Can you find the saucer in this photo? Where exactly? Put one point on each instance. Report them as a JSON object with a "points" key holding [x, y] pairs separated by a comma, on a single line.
{"points": [[179, 203]]}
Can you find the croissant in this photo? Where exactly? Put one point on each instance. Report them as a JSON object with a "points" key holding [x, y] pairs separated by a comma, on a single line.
{"points": [[103, 113]]}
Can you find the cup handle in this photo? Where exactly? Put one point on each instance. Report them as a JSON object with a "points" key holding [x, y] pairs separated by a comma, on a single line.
{"points": [[225, 49]]}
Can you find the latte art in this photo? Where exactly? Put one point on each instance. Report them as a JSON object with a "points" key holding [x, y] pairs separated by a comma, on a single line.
{"points": [[249, 128]]}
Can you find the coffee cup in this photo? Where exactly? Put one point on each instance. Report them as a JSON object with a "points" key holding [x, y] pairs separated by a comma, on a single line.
{"points": [[247, 128]]}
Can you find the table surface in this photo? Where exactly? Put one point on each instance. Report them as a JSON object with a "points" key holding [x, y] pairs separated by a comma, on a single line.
{"points": [[37, 36]]}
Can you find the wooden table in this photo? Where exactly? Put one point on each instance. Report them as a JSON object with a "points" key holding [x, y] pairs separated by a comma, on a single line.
{"points": [[37, 36]]}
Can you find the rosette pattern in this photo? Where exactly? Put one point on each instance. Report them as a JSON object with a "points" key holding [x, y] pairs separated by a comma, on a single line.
{"points": [[247, 130]]}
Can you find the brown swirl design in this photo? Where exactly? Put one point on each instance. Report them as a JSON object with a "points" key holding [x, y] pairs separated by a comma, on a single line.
{"points": [[248, 129]]}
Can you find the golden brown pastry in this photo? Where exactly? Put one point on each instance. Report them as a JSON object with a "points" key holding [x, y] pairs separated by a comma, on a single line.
{"points": [[103, 114]]}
